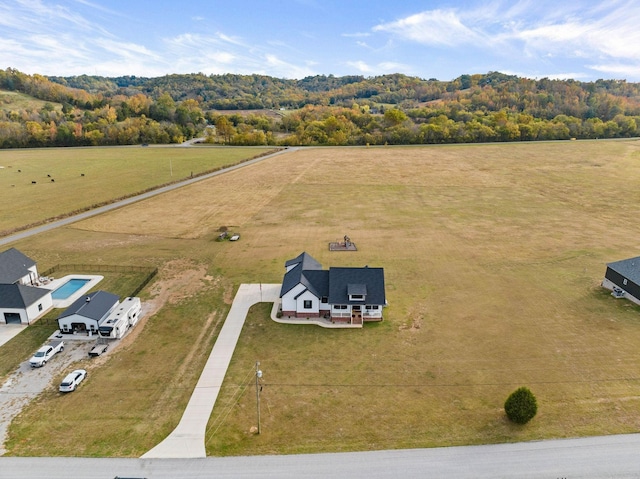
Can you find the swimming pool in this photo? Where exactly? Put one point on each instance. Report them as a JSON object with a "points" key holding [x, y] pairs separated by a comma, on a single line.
{"points": [[68, 288]]}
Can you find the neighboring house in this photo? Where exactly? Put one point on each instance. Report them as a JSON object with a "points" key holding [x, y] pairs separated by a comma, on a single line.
{"points": [[346, 295], [20, 304], [15, 267], [623, 278], [86, 313], [20, 301]]}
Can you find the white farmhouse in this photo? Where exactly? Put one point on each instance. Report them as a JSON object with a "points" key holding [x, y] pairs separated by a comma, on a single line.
{"points": [[342, 295]]}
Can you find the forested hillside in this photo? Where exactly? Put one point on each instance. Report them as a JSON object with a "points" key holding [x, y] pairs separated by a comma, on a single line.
{"points": [[319, 110]]}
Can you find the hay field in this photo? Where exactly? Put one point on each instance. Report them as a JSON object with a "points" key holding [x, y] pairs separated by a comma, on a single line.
{"points": [[493, 255], [71, 179]]}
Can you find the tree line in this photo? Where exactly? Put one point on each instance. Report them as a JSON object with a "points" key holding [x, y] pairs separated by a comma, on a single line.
{"points": [[318, 110]]}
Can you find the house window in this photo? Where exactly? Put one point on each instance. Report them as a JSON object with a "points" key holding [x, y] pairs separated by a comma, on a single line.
{"points": [[325, 300], [339, 306], [357, 297], [307, 304], [624, 281], [40, 307], [371, 306]]}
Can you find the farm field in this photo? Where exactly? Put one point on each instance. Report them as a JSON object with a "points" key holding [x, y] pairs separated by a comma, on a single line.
{"points": [[493, 257], [72, 179]]}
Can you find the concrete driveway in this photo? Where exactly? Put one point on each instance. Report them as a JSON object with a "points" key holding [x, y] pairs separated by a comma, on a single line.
{"points": [[9, 331], [187, 439]]}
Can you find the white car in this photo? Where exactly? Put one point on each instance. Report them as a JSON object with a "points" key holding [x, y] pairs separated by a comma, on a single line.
{"points": [[71, 381]]}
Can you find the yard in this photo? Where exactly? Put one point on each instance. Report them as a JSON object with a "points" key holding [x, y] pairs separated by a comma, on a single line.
{"points": [[493, 256]]}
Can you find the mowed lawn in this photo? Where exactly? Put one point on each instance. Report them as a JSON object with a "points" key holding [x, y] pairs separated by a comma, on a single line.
{"points": [[71, 179], [493, 257]]}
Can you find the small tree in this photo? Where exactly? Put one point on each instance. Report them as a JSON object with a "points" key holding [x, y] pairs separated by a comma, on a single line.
{"points": [[521, 406]]}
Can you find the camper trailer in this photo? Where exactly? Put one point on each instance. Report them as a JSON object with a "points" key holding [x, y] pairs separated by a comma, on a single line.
{"points": [[123, 317], [113, 327], [131, 308]]}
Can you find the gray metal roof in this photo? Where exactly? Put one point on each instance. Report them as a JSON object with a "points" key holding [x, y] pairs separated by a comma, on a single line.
{"points": [[370, 280], [19, 296], [14, 265], [93, 305], [629, 268]]}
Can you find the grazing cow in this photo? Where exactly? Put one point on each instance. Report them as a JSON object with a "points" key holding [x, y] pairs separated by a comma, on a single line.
{"points": [[52, 180], [81, 174], [33, 182], [48, 176]]}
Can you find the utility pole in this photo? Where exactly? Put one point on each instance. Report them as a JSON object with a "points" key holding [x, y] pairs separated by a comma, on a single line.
{"points": [[258, 387]]}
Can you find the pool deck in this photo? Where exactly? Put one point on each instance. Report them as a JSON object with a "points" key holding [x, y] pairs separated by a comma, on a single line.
{"points": [[56, 283]]}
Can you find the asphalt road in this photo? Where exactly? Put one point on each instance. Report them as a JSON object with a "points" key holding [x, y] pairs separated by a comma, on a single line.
{"points": [[103, 209], [597, 457]]}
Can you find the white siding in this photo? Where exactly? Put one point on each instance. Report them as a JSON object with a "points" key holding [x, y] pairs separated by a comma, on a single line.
{"points": [[33, 311], [288, 300], [308, 296]]}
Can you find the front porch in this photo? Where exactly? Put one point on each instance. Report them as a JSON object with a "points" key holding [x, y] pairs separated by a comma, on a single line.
{"points": [[324, 322]]}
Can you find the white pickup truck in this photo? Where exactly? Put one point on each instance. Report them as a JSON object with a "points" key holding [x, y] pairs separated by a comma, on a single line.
{"points": [[45, 353]]}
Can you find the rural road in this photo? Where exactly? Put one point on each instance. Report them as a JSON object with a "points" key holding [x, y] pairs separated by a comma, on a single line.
{"points": [[596, 457], [119, 204]]}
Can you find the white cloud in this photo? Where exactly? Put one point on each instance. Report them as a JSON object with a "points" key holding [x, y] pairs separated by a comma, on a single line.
{"points": [[536, 29], [394, 67], [618, 70], [361, 66], [434, 27]]}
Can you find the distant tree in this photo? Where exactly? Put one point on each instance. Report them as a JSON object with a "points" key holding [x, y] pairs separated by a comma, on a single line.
{"points": [[521, 406], [224, 128], [394, 117]]}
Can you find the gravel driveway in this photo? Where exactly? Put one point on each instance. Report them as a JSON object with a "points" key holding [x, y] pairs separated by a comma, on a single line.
{"points": [[27, 382]]}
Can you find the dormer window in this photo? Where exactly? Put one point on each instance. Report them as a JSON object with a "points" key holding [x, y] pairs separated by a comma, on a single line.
{"points": [[357, 292]]}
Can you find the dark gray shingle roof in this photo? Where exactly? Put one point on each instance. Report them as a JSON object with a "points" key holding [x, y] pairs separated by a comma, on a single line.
{"points": [[101, 302], [370, 278], [307, 271], [629, 268], [19, 296], [14, 265], [336, 283]]}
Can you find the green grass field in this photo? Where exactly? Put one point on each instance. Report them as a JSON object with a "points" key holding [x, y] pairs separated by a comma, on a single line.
{"points": [[493, 257], [14, 101], [109, 173]]}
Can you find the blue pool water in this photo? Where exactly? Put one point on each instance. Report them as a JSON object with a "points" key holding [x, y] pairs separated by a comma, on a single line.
{"points": [[68, 288]]}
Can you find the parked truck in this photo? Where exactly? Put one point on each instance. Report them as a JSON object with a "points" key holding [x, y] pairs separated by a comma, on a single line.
{"points": [[45, 353]]}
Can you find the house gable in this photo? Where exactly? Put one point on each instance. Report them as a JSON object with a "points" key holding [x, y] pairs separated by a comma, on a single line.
{"points": [[14, 266]]}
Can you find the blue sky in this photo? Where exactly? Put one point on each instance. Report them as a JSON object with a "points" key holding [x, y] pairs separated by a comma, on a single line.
{"points": [[584, 40]]}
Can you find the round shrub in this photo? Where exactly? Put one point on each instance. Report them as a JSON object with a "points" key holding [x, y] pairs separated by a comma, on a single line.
{"points": [[521, 406]]}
